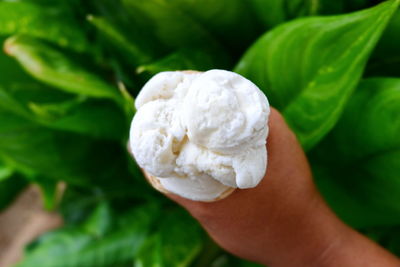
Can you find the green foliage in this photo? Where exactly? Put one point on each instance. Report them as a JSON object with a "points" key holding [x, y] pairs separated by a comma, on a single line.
{"points": [[53, 67], [275, 12], [226, 260], [361, 167], [70, 71], [226, 20], [340, 6], [104, 240], [387, 236], [185, 59], [56, 153], [309, 67], [22, 95], [48, 107], [134, 53], [11, 184], [386, 58], [171, 246], [168, 24], [96, 242], [32, 19]]}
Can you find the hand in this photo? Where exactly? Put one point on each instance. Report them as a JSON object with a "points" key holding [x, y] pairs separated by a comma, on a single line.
{"points": [[284, 221]]}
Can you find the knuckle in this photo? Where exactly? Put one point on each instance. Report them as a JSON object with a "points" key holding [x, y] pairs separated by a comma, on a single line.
{"points": [[203, 212]]}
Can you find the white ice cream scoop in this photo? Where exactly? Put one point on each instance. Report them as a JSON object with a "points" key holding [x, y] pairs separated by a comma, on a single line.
{"points": [[201, 135]]}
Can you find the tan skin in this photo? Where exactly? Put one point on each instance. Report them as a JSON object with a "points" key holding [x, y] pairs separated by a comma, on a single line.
{"points": [[284, 221]]}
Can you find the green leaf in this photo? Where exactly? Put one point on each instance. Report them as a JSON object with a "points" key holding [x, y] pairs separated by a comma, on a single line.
{"points": [[57, 110], [326, 7], [388, 237], [232, 22], [145, 31], [99, 222], [357, 166], [49, 192], [228, 260], [274, 12], [170, 245], [126, 33], [171, 26], [52, 24], [133, 52], [11, 71], [150, 253], [32, 147], [179, 247], [270, 13], [174, 28], [185, 59], [62, 156], [385, 61], [96, 118], [55, 68], [75, 246], [309, 67], [11, 184], [5, 172]]}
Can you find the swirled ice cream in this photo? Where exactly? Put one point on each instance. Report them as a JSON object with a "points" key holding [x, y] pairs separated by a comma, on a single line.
{"points": [[201, 135]]}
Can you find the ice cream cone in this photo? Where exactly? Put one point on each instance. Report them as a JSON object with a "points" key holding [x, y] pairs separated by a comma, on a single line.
{"points": [[156, 184], [201, 134]]}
